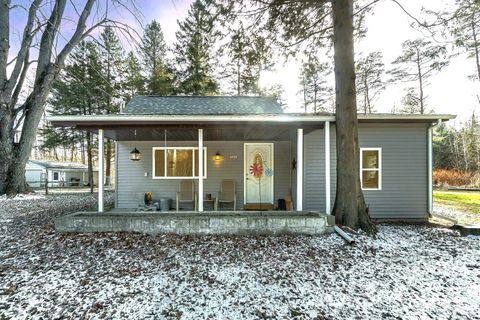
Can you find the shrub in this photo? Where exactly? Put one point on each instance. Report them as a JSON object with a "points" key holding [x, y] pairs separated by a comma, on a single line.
{"points": [[455, 178]]}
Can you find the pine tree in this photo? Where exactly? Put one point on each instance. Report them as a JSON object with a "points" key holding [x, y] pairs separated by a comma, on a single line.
{"points": [[370, 83], [153, 50], [134, 82], [112, 76], [195, 41], [419, 60], [249, 56], [78, 90], [315, 89]]}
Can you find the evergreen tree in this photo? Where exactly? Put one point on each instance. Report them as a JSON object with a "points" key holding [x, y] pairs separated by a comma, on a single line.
{"points": [[249, 56], [419, 60], [370, 71], [153, 50], [78, 90], [195, 41], [134, 82], [315, 89], [112, 75], [465, 27]]}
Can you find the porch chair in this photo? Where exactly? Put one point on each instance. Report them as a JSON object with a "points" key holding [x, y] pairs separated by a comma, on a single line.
{"points": [[186, 194], [227, 194]]}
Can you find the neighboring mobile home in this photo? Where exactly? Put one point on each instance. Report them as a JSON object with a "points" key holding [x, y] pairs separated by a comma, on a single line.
{"points": [[58, 174], [268, 153]]}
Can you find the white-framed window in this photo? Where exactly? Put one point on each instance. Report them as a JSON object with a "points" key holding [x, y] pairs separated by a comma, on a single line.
{"points": [[56, 175], [371, 168], [177, 162]]}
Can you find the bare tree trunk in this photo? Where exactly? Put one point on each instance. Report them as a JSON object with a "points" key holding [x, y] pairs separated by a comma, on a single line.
{"points": [[238, 78], [474, 34], [420, 80], [90, 161], [349, 208]]}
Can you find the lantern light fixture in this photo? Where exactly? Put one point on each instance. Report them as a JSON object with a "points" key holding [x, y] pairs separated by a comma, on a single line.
{"points": [[135, 154], [218, 156]]}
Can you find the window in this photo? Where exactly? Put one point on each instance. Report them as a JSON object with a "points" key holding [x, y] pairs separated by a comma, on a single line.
{"points": [[56, 176], [371, 168], [177, 163]]}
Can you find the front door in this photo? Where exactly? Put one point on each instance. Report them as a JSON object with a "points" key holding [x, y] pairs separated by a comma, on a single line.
{"points": [[259, 173]]}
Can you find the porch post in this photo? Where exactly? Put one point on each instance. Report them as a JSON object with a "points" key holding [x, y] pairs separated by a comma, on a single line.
{"points": [[429, 174], [100, 170], [299, 169], [200, 170], [327, 168]]}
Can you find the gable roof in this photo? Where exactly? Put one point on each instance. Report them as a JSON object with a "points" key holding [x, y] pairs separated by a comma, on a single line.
{"points": [[202, 105]]}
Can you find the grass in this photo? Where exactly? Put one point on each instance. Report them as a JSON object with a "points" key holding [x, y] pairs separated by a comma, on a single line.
{"points": [[459, 200]]}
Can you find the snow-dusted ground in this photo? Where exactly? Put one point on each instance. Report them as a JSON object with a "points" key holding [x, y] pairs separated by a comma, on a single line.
{"points": [[410, 272], [459, 216]]}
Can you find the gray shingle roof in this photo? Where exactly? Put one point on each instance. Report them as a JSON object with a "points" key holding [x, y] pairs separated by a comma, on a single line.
{"points": [[59, 165], [198, 105]]}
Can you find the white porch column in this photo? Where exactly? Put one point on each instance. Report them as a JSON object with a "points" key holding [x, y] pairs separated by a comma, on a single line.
{"points": [[328, 208], [100, 170], [429, 175], [200, 170], [299, 169]]}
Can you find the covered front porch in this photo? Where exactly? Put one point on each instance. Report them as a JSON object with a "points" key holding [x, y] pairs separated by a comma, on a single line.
{"points": [[221, 148]]}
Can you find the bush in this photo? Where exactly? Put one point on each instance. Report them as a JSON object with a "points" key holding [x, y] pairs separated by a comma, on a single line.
{"points": [[455, 178]]}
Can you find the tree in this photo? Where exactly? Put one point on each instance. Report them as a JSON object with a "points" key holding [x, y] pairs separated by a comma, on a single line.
{"points": [[112, 75], [370, 83], [420, 59], [79, 90], [193, 49], [134, 82], [464, 25], [49, 62], [310, 23], [315, 89], [249, 55], [153, 51]]}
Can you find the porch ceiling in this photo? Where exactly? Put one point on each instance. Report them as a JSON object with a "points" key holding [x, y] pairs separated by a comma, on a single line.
{"points": [[255, 132]]}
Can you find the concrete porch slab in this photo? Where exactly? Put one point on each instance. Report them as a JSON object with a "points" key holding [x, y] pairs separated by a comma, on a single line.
{"points": [[196, 223]]}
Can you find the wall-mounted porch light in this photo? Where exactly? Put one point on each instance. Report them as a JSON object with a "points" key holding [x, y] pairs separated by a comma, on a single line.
{"points": [[135, 155], [217, 156]]}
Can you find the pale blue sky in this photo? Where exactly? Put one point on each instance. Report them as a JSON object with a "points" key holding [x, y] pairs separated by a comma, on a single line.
{"points": [[450, 91]]}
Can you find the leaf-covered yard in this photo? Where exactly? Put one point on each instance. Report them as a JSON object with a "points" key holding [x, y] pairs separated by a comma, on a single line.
{"points": [[411, 271]]}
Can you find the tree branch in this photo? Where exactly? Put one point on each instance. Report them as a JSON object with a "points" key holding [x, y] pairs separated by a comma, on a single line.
{"points": [[79, 33], [27, 38]]}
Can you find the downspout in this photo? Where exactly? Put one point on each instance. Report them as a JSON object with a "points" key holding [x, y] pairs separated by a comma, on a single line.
{"points": [[430, 166]]}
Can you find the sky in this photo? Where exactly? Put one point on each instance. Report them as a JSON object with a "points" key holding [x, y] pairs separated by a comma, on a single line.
{"points": [[450, 91]]}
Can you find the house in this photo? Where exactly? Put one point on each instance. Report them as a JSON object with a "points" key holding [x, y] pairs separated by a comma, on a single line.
{"points": [[58, 174], [227, 137]]}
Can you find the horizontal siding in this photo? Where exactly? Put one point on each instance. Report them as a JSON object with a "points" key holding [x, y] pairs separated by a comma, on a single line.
{"points": [[404, 169], [132, 183]]}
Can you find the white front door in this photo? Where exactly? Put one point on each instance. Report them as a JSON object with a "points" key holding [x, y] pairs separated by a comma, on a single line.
{"points": [[259, 173]]}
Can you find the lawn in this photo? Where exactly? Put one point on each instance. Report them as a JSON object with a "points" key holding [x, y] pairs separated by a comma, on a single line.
{"points": [[466, 201], [409, 272]]}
